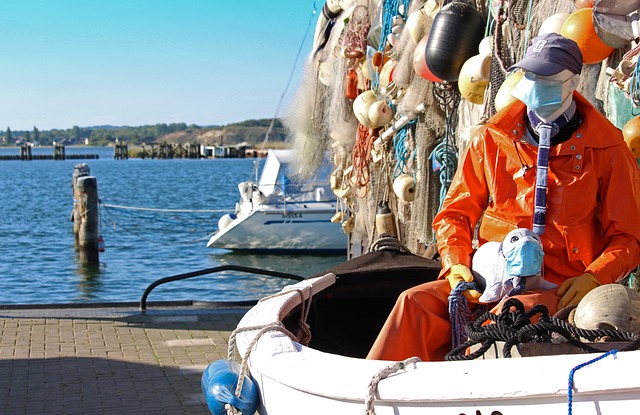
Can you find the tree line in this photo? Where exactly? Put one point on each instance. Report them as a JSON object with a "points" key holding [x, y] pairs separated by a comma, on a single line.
{"points": [[251, 131]]}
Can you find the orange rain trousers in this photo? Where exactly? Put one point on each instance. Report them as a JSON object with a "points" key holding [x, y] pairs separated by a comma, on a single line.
{"points": [[425, 309]]}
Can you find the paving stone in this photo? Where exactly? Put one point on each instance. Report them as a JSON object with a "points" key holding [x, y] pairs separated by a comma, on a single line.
{"points": [[109, 360]]}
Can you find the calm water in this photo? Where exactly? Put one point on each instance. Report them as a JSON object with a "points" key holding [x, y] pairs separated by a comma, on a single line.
{"points": [[38, 261]]}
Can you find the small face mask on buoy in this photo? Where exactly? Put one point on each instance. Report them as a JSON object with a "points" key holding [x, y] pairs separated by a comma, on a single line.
{"points": [[523, 254]]}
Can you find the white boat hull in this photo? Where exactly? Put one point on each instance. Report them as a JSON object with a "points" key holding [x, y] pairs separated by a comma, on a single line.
{"points": [[276, 229], [295, 379]]}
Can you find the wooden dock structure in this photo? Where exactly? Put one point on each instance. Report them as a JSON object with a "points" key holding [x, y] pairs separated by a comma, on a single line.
{"points": [[121, 151], [59, 153], [171, 151]]}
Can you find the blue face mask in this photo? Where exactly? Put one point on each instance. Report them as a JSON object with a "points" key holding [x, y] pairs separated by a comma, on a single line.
{"points": [[540, 95], [524, 259]]}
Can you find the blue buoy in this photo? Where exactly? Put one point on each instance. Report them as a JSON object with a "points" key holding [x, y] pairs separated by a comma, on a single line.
{"points": [[219, 382]]}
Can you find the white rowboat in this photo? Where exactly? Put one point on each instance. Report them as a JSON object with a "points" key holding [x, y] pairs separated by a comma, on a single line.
{"points": [[318, 379]]}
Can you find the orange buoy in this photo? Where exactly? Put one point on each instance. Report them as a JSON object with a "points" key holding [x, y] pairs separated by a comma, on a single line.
{"points": [[377, 60], [631, 134], [584, 4], [420, 64], [579, 27], [351, 85], [100, 244]]}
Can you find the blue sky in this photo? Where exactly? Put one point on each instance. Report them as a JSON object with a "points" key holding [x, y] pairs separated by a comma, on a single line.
{"points": [[138, 62]]}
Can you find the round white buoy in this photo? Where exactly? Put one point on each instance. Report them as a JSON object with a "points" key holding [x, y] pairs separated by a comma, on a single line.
{"points": [[224, 221], [404, 186]]}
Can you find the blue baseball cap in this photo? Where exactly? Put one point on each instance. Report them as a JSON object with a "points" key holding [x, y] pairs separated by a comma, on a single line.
{"points": [[549, 54]]}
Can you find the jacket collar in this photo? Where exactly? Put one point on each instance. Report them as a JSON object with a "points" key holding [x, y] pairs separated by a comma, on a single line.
{"points": [[595, 131]]}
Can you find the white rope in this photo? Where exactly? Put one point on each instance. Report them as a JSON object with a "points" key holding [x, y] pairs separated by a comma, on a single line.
{"points": [[231, 410], [304, 334], [244, 367], [107, 205], [383, 374]]}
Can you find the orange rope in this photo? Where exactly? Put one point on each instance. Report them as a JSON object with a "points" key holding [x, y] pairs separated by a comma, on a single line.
{"points": [[362, 155]]}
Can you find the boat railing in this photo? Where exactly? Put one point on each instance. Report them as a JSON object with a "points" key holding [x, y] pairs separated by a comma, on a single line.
{"points": [[207, 271]]}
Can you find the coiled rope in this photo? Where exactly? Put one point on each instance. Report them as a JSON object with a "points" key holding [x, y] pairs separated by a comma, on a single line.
{"points": [[303, 334], [244, 366], [445, 156], [514, 326], [388, 242], [445, 153]]}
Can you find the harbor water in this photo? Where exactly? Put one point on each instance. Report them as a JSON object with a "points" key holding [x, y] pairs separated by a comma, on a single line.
{"points": [[155, 228]]}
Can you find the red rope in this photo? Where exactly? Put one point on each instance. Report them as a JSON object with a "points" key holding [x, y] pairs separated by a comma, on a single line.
{"points": [[362, 155]]}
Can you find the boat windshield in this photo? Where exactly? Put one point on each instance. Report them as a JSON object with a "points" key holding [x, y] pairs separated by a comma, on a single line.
{"points": [[278, 178]]}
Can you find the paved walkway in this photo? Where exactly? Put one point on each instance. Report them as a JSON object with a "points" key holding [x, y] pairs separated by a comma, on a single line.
{"points": [[109, 360]]}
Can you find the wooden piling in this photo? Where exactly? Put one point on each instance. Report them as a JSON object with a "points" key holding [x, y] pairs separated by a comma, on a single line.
{"points": [[121, 151], [194, 151], [59, 152], [85, 214], [154, 150], [25, 152], [79, 170]]}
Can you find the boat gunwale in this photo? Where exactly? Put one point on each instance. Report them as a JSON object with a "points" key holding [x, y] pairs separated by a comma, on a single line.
{"points": [[283, 367]]}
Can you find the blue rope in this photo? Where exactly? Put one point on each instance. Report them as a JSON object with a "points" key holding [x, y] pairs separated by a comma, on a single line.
{"points": [[389, 11], [580, 366], [459, 312], [446, 157], [635, 89], [402, 153]]}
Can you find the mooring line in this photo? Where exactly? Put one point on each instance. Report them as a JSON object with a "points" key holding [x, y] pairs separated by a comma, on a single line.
{"points": [[107, 205]]}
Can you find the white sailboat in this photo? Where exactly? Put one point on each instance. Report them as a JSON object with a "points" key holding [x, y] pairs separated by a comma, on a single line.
{"points": [[278, 214]]}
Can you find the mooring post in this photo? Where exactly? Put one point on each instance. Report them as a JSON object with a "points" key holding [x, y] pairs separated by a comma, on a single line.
{"points": [[79, 170], [85, 213], [87, 193]]}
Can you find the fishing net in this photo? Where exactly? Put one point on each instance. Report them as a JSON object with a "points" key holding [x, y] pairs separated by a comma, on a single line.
{"points": [[321, 118]]}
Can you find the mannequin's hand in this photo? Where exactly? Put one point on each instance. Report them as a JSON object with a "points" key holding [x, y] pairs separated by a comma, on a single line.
{"points": [[459, 273], [573, 289]]}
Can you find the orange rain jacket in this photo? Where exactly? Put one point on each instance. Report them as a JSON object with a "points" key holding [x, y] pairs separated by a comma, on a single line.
{"points": [[593, 197]]}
